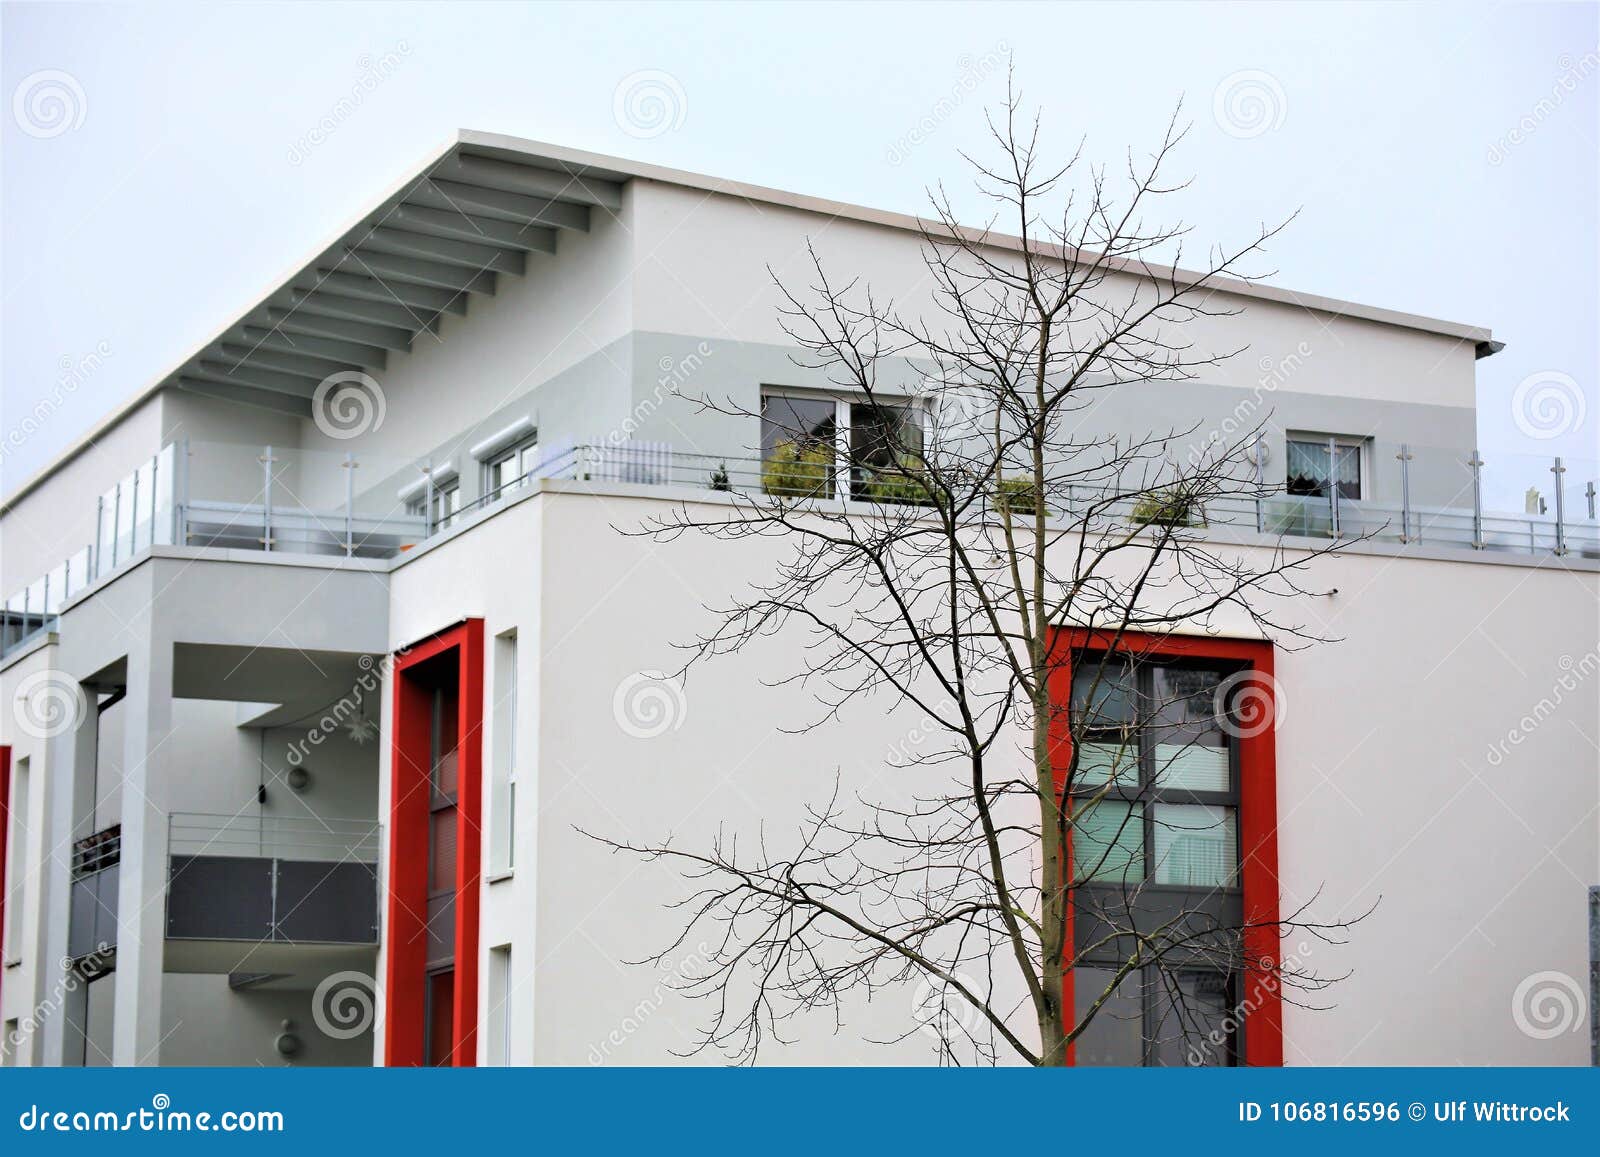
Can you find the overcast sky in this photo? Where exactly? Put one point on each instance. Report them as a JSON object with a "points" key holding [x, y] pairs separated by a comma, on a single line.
{"points": [[161, 162]]}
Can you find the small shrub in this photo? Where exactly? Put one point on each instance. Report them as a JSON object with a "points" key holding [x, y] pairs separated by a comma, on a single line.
{"points": [[1172, 506], [1016, 496], [798, 471]]}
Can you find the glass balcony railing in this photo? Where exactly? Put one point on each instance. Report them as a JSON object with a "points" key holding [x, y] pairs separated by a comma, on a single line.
{"points": [[367, 506]]}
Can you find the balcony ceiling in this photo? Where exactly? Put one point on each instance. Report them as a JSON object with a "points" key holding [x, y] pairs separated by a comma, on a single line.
{"points": [[473, 215]]}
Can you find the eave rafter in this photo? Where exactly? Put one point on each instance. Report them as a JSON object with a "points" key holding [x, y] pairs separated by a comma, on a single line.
{"points": [[443, 238]]}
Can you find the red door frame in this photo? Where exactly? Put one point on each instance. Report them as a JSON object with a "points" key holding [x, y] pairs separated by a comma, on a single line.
{"points": [[1258, 815], [409, 781]]}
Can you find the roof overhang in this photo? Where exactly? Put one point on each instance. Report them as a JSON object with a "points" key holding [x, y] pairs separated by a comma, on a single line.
{"points": [[483, 206]]}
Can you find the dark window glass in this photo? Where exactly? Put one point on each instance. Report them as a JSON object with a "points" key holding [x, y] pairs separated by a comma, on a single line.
{"points": [[441, 1018], [885, 444], [798, 441], [1309, 469], [1115, 1036], [1192, 1020]]}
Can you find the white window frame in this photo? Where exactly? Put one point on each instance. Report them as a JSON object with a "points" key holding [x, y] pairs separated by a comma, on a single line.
{"points": [[842, 401], [1362, 446]]}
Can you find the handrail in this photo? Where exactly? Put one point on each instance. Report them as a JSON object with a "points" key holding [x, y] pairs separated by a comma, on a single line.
{"points": [[271, 836]]}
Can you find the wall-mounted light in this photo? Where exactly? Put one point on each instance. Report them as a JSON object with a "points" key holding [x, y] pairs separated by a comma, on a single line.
{"points": [[287, 1044], [299, 778]]}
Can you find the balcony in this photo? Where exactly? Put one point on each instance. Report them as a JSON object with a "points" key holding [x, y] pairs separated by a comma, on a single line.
{"points": [[344, 505], [92, 922], [282, 884]]}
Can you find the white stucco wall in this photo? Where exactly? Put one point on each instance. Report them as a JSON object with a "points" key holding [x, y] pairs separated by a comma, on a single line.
{"points": [[1397, 787]]}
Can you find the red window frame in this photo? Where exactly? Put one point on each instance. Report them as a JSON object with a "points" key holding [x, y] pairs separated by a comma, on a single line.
{"points": [[1261, 994], [410, 795]]}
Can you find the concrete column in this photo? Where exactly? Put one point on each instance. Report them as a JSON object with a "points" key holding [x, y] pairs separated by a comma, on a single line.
{"points": [[141, 897], [69, 810]]}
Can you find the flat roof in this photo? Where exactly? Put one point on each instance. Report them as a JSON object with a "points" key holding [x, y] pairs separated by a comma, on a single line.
{"points": [[516, 194]]}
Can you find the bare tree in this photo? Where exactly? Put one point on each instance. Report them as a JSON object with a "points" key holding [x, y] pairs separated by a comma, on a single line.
{"points": [[938, 563]]}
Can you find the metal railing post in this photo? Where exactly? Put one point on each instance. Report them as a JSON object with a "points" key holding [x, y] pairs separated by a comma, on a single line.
{"points": [[1261, 482], [155, 488], [116, 523], [180, 494], [1405, 492], [99, 531], [1333, 485], [427, 498], [349, 505], [1477, 498], [1561, 508], [266, 499]]}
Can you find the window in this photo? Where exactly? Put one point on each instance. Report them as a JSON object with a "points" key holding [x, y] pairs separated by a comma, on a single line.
{"points": [[446, 505], [17, 851], [1312, 460], [813, 445], [507, 469], [499, 1041], [503, 804], [1159, 797], [1172, 1017], [1155, 803]]}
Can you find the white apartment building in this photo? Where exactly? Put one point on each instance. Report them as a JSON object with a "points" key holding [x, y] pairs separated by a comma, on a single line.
{"points": [[235, 632]]}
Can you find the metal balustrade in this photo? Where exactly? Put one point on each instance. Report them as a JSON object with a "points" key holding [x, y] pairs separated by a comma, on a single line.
{"points": [[288, 879], [304, 502]]}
